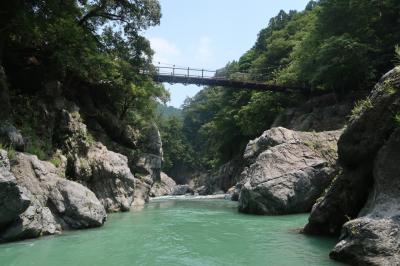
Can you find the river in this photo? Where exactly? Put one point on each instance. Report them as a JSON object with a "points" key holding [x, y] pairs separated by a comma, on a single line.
{"points": [[178, 232]]}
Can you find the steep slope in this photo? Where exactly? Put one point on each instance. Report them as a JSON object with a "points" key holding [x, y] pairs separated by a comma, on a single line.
{"points": [[362, 202]]}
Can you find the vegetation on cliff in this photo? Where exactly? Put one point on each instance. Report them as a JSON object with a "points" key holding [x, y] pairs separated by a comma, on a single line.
{"points": [[52, 48]]}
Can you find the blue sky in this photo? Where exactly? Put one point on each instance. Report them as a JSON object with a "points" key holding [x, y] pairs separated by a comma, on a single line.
{"points": [[209, 33]]}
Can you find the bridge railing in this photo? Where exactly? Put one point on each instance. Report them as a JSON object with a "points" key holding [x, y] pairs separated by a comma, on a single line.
{"points": [[185, 72], [182, 72]]}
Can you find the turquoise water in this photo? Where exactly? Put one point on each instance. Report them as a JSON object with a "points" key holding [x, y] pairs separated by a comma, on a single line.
{"points": [[178, 232]]}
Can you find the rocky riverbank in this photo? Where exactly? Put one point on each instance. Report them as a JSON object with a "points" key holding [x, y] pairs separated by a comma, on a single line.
{"points": [[362, 204], [66, 161]]}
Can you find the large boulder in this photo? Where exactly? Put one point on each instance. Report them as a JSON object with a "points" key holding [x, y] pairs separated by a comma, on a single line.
{"points": [[180, 190], [110, 178], [287, 171], [164, 187], [36, 221], [105, 172], [363, 201], [77, 205], [142, 190], [13, 198], [55, 203]]}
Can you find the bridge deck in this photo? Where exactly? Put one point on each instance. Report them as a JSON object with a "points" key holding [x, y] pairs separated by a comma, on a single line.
{"points": [[219, 82], [201, 77]]}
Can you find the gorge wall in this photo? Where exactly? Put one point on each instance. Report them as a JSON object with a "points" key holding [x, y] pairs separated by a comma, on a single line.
{"points": [[92, 162], [362, 202]]}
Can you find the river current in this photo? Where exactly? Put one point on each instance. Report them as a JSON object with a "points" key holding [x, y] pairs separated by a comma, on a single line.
{"points": [[178, 232]]}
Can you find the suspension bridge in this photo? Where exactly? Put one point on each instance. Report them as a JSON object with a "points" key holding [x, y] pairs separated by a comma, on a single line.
{"points": [[186, 75]]}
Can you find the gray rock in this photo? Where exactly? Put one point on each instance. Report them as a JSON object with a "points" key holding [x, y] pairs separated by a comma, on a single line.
{"points": [[202, 191], [164, 187], [181, 190], [289, 170], [364, 197], [233, 193], [142, 190], [55, 203], [13, 200], [374, 237], [153, 142], [111, 179], [321, 113], [36, 221], [11, 136], [77, 205], [357, 148], [151, 159], [225, 177], [105, 172], [151, 164]]}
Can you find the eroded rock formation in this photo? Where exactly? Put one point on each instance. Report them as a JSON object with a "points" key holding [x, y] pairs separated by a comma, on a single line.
{"points": [[363, 201], [164, 187], [54, 203], [287, 171], [105, 172]]}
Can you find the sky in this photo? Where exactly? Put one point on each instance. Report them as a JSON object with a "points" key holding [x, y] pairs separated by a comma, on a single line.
{"points": [[207, 34]]}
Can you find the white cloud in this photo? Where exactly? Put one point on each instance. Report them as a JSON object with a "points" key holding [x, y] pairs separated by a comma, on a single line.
{"points": [[165, 51], [204, 53]]}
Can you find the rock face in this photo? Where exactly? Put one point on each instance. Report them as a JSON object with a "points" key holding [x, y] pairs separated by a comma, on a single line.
{"points": [[150, 160], [105, 172], [13, 200], [142, 190], [10, 135], [180, 190], [322, 113], [373, 238], [164, 187], [110, 178], [54, 202], [287, 171], [225, 177], [367, 190]]}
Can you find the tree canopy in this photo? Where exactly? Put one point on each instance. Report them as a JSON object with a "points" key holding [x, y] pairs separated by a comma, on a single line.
{"points": [[97, 42]]}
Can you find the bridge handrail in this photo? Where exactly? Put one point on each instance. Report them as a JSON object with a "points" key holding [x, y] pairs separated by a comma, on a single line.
{"points": [[188, 68]]}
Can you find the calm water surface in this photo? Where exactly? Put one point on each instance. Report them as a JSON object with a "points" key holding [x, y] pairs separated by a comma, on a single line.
{"points": [[178, 232]]}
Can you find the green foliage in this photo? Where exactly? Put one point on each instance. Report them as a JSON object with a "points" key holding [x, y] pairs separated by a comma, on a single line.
{"points": [[90, 139], [92, 43], [10, 150], [177, 150], [56, 161], [360, 107], [168, 111], [41, 148]]}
